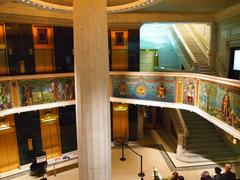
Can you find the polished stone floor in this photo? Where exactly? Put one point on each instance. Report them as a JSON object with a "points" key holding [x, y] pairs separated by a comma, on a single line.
{"points": [[128, 170]]}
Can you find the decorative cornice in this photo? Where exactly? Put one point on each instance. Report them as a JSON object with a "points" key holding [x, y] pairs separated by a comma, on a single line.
{"points": [[227, 13], [138, 4]]}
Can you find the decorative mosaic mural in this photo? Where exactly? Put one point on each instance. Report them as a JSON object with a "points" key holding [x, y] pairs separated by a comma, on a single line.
{"points": [[147, 87], [189, 91], [5, 95], [42, 91], [221, 101]]}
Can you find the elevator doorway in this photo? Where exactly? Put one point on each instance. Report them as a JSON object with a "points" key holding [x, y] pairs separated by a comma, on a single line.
{"points": [[120, 122], [8, 142], [149, 115], [50, 132]]}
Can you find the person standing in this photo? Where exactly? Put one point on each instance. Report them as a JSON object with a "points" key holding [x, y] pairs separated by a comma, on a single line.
{"points": [[229, 175], [205, 176], [174, 176], [218, 175]]}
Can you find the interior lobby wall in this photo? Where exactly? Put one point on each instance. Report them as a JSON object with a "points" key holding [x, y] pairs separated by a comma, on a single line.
{"points": [[228, 36], [204, 30]]}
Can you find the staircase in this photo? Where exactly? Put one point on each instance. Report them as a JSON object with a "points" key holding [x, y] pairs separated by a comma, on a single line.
{"points": [[204, 143], [181, 51], [197, 52]]}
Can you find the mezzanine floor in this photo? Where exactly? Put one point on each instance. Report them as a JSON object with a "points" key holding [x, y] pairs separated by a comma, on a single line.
{"points": [[129, 169]]}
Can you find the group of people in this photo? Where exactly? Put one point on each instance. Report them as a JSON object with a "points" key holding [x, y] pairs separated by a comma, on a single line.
{"points": [[176, 176], [157, 176], [227, 175]]}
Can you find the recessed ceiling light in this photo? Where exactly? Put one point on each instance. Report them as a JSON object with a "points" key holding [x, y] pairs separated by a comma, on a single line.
{"points": [[137, 4]]}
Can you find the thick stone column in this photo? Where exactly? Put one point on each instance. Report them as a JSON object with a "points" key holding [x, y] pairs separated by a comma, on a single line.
{"points": [[92, 96]]}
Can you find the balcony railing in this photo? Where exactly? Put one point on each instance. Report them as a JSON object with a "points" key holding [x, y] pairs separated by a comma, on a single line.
{"points": [[216, 99], [35, 92]]}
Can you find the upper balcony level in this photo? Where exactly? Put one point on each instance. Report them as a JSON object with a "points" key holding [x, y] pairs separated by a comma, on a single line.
{"points": [[216, 99]]}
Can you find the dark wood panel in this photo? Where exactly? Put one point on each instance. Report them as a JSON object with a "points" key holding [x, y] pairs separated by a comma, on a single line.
{"points": [[133, 122], [27, 48], [133, 50], [67, 118], [20, 52], [13, 50], [63, 48], [28, 132]]}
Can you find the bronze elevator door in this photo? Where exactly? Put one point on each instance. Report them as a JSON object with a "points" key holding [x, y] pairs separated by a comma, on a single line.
{"points": [[51, 138], [120, 121], [9, 150]]}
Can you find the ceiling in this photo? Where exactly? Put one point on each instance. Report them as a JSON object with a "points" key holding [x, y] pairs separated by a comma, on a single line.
{"points": [[189, 6], [70, 2], [60, 2], [170, 6]]}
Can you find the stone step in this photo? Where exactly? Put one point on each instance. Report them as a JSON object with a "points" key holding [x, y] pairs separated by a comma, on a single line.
{"points": [[197, 120], [205, 145], [212, 153], [202, 139], [216, 156], [196, 130], [201, 135]]}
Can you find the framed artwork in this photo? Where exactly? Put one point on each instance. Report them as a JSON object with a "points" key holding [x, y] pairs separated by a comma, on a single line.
{"points": [[42, 36], [119, 39]]}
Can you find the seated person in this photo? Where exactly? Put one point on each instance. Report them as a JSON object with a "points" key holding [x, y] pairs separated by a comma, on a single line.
{"points": [[38, 168]]}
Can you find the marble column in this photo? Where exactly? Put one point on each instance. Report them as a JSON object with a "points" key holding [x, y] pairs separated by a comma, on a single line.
{"points": [[92, 96]]}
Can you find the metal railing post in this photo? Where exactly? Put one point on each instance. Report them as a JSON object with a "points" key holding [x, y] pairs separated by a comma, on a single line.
{"points": [[54, 170], [122, 158], [141, 174]]}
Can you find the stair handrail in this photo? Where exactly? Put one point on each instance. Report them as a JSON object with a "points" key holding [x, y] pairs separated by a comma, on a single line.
{"points": [[183, 125], [180, 127], [199, 40], [182, 134], [181, 50], [194, 61]]}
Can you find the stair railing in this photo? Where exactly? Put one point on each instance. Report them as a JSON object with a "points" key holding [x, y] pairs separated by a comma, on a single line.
{"points": [[199, 40], [180, 127], [193, 60], [182, 137], [186, 59]]}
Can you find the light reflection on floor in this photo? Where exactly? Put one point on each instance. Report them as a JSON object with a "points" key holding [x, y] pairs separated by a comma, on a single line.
{"points": [[128, 170]]}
